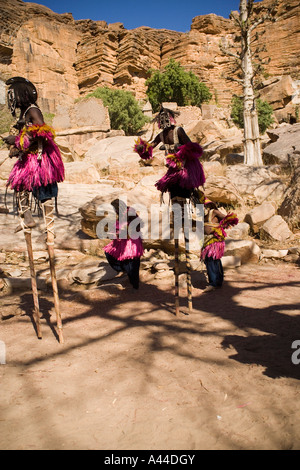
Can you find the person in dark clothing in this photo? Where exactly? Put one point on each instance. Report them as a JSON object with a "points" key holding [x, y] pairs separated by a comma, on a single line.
{"points": [[123, 254]]}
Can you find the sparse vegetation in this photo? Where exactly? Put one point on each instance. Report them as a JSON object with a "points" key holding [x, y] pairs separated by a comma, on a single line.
{"points": [[124, 110], [48, 118], [6, 119], [264, 111], [176, 84]]}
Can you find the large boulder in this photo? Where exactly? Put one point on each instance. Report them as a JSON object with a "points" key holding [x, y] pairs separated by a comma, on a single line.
{"points": [[115, 155], [270, 191], [247, 250], [259, 214], [83, 113], [290, 207], [223, 190], [248, 178], [90, 210], [239, 231], [92, 272], [213, 168], [215, 135], [278, 91], [275, 229], [81, 172], [285, 142]]}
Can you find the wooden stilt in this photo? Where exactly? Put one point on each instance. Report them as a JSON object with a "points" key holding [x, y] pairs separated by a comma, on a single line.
{"points": [[176, 270], [49, 221], [188, 275], [27, 233], [23, 205], [182, 203]]}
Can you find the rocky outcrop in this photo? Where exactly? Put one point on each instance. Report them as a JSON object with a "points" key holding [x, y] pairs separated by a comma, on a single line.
{"points": [[285, 142], [40, 45], [124, 57], [80, 122], [290, 207], [283, 94], [66, 58]]}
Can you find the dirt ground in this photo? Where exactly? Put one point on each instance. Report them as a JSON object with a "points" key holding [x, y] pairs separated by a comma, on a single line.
{"points": [[131, 375]]}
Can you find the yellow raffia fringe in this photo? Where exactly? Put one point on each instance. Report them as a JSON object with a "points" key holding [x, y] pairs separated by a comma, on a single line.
{"points": [[174, 158], [140, 141], [35, 129]]}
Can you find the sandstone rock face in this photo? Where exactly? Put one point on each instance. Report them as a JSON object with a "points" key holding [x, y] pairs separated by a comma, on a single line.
{"points": [[82, 121], [65, 58], [40, 45], [87, 112], [278, 91], [281, 44]]}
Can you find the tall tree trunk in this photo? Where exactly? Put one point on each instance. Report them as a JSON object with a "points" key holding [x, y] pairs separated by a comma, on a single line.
{"points": [[252, 150]]}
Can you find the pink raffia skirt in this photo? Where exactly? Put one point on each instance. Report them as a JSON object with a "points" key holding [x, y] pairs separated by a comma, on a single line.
{"points": [[30, 172], [184, 169], [214, 250], [122, 249]]}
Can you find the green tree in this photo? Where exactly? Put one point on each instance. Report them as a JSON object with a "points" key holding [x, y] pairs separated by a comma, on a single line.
{"points": [[176, 84], [264, 112], [265, 115], [124, 110]]}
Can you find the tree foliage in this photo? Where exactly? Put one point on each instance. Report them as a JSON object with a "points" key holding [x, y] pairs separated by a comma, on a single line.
{"points": [[176, 84], [264, 111], [6, 119], [124, 110]]}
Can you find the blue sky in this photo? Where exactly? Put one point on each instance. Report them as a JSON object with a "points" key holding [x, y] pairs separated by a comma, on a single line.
{"points": [[176, 15]]}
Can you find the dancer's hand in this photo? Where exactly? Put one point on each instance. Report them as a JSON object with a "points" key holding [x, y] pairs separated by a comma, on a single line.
{"points": [[9, 140]]}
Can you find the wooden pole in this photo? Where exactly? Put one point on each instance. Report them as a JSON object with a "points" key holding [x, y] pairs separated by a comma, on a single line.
{"points": [[188, 275], [49, 221], [23, 204], [27, 233], [181, 203], [176, 270]]}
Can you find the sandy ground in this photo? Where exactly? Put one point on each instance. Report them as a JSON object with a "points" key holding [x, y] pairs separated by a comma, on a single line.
{"points": [[131, 375]]}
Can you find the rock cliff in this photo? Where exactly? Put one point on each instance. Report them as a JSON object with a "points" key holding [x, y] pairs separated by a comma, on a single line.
{"points": [[67, 58]]}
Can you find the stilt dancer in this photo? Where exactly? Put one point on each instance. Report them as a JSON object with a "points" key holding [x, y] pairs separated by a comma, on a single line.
{"points": [[38, 170], [184, 175]]}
